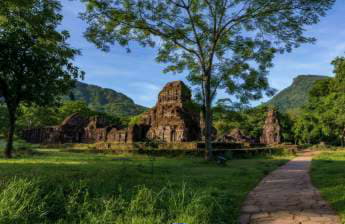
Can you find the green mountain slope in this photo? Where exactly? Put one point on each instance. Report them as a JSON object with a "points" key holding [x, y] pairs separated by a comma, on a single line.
{"points": [[106, 100], [296, 95]]}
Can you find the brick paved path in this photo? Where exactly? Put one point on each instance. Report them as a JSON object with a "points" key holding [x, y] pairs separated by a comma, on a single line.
{"points": [[287, 196]]}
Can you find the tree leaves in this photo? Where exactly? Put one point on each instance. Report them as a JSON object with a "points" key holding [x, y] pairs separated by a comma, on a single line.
{"points": [[35, 59], [323, 118]]}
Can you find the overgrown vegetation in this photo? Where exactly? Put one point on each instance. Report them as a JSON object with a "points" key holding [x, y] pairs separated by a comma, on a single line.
{"points": [[36, 201], [249, 120], [51, 186], [323, 118], [35, 116]]}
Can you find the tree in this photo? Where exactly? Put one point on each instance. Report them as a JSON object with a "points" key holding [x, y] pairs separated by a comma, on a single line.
{"points": [[306, 128], [3, 119], [323, 118], [42, 116], [35, 117], [227, 116], [35, 59], [71, 107], [225, 44]]}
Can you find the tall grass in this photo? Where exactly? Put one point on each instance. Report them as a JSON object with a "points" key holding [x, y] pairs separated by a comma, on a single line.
{"points": [[36, 201]]}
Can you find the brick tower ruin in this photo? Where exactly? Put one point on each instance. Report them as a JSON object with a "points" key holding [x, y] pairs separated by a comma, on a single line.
{"points": [[172, 119], [271, 130]]}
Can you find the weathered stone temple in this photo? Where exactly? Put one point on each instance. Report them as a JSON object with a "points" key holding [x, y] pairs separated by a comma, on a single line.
{"points": [[271, 131], [171, 120]]}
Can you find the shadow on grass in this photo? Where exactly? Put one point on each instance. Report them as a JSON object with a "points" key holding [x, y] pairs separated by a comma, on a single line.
{"points": [[107, 176]]}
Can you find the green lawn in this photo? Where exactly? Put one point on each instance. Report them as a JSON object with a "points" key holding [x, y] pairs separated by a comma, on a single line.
{"points": [[328, 175], [52, 186]]}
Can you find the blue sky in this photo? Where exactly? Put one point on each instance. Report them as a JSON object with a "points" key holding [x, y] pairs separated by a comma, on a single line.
{"points": [[138, 75]]}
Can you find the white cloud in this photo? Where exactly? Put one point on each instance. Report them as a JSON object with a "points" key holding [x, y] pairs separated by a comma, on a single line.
{"points": [[145, 93]]}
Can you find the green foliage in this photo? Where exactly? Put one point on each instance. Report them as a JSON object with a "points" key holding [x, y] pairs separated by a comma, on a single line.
{"points": [[327, 174], [249, 120], [254, 121], [193, 106], [35, 201], [35, 59], [71, 107], [135, 120], [53, 186], [223, 44], [105, 100], [323, 118], [211, 39], [3, 119], [296, 95], [34, 116]]}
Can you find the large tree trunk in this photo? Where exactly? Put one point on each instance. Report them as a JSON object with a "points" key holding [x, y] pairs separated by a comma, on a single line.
{"points": [[10, 135], [208, 119]]}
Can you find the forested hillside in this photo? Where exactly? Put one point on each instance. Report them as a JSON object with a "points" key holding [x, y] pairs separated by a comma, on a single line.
{"points": [[296, 95], [105, 100]]}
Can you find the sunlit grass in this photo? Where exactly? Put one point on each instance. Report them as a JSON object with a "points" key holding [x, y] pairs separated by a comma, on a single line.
{"points": [[328, 175], [106, 176]]}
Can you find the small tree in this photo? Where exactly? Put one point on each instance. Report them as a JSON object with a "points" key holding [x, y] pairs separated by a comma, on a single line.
{"points": [[35, 59], [225, 44]]}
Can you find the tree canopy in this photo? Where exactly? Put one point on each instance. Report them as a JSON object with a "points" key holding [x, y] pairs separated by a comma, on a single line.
{"points": [[323, 118], [222, 43], [35, 59]]}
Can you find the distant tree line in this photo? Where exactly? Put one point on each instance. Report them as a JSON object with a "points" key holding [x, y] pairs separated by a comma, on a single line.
{"points": [[321, 119], [250, 120], [41, 116]]}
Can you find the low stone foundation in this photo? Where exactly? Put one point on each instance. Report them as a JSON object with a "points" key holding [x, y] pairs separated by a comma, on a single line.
{"points": [[143, 146]]}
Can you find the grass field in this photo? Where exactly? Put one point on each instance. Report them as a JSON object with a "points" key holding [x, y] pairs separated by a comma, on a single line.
{"points": [[52, 186], [328, 175]]}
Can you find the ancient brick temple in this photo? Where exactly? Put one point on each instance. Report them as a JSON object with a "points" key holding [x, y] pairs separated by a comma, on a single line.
{"points": [[171, 120], [235, 136], [271, 130], [71, 130]]}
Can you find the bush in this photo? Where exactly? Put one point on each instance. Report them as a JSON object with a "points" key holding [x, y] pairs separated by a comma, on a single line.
{"points": [[36, 201]]}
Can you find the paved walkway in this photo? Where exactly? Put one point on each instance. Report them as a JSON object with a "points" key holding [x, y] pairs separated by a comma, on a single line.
{"points": [[286, 196]]}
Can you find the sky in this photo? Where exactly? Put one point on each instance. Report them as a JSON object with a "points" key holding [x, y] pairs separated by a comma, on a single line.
{"points": [[140, 77]]}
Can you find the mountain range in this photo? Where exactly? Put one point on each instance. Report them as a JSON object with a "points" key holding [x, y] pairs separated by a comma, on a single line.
{"points": [[296, 95], [116, 103], [105, 100]]}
